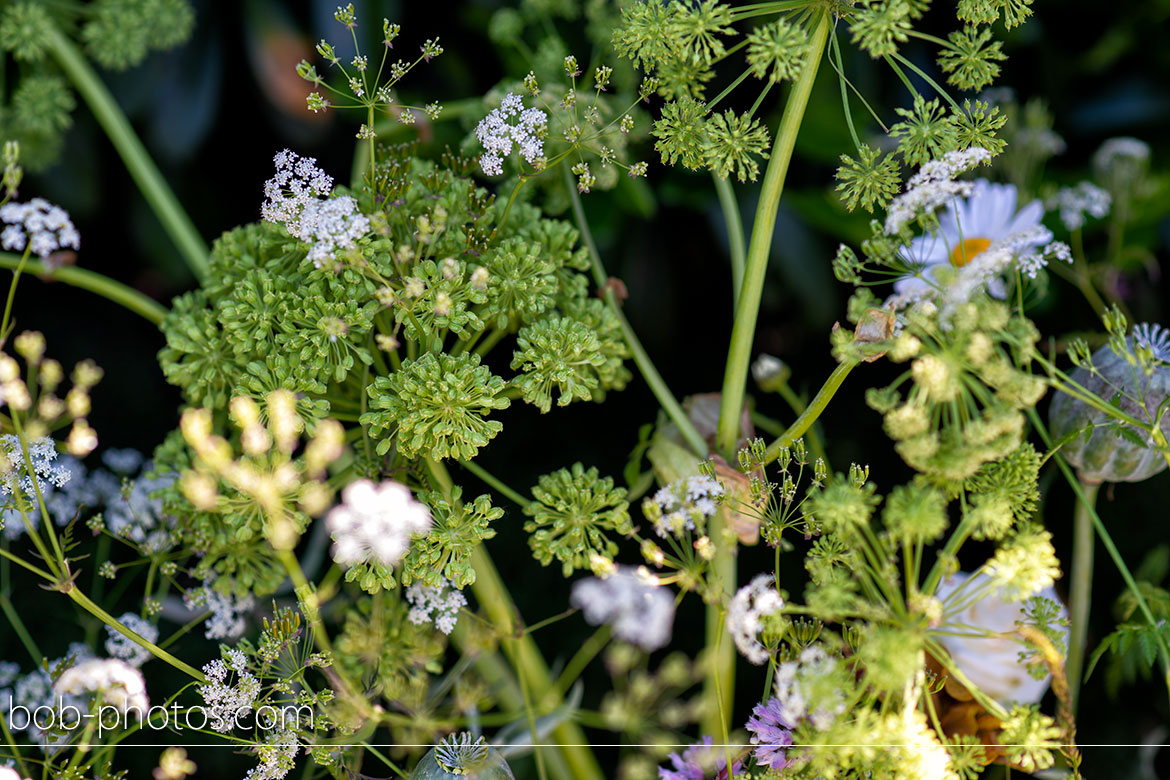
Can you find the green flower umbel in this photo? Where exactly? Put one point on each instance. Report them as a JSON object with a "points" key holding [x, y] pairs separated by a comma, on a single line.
{"points": [[436, 406]]}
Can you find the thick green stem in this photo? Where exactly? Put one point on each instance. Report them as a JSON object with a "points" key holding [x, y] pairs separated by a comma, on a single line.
{"points": [[642, 359], [744, 328], [531, 669], [735, 241], [1081, 587], [95, 283], [141, 167], [813, 410]]}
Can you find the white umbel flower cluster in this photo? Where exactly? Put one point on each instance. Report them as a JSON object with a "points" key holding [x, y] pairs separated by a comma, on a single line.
{"points": [[375, 522], [684, 502], [440, 604], [8, 773], [121, 646], [225, 703], [17, 486], [276, 755], [119, 683], [749, 606], [227, 612], [799, 694], [1075, 202], [933, 187], [38, 225], [298, 198], [631, 601], [498, 135]]}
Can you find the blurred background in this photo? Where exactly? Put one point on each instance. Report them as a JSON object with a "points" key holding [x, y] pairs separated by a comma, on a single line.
{"points": [[214, 110]]}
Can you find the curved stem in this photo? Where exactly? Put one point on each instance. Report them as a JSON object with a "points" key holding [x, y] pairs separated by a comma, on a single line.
{"points": [[813, 410], [642, 360], [744, 328], [1081, 587], [141, 167], [132, 299], [735, 241]]}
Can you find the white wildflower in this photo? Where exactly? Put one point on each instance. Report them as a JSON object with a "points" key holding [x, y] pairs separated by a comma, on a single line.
{"points": [[749, 606], [1119, 161], [684, 503], [121, 646], [632, 602], [298, 182], [38, 225], [225, 703], [977, 241], [440, 604], [17, 489], [375, 522], [227, 612], [803, 689], [297, 197], [277, 756], [8, 773], [1030, 264], [498, 135], [119, 683], [933, 187], [978, 629], [1075, 202], [330, 225]]}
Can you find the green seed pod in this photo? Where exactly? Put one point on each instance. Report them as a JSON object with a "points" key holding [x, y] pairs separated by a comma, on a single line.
{"points": [[459, 757], [1107, 456]]}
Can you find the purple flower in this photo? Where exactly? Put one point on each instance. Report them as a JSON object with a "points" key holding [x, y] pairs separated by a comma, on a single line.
{"points": [[698, 762], [772, 732]]}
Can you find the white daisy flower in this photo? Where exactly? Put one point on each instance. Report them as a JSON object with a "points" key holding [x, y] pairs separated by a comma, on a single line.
{"points": [[978, 238]]}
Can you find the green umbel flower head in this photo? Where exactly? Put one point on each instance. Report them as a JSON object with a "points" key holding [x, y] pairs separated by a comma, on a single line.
{"points": [[573, 510], [436, 406]]}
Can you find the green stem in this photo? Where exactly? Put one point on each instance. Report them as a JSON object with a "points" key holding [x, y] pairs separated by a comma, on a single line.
{"points": [[1081, 587], [21, 264], [642, 360], [141, 167], [813, 410], [531, 669], [21, 632], [85, 603], [485, 477], [743, 330], [589, 650], [735, 241], [1110, 547]]}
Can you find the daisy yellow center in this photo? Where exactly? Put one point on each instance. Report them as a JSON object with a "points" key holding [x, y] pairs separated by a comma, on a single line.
{"points": [[966, 251]]}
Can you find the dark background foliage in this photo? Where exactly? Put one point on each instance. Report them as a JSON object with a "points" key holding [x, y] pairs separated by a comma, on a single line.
{"points": [[213, 112]]}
